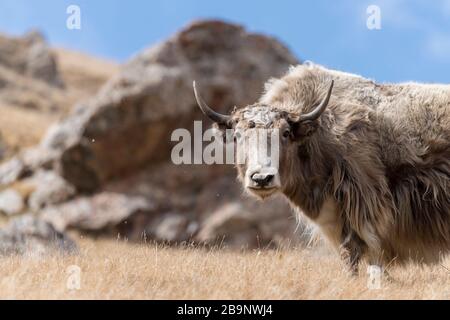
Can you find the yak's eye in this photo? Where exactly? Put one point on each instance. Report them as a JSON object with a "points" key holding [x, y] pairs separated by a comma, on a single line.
{"points": [[251, 124], [286, 133]]}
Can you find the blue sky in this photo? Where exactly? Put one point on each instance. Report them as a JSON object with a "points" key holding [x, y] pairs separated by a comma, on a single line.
{"points": [[412, 44]]}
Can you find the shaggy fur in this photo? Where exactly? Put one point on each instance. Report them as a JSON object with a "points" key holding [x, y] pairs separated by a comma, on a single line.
{"points": [[373, 172]]}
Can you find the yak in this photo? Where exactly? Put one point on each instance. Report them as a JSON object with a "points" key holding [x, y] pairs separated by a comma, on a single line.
{"points": [[367, 163]]}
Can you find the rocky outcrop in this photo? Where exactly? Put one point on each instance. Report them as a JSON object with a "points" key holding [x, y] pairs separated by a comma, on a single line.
{"points": [[127, 125], [170, 205], [28, 235], [39, 85], [30, 56], [11, 202], [112, 154]]}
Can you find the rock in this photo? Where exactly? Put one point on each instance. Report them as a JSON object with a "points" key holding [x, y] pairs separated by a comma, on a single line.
{"points": [[11, 202], [30, 56], [247, 223], [11, 171], [31, 236], [25, 164], [128, 124], [229, 224], [170, 205], [37, 157], [48, 189], [172, 227], [99, 212], [133, 207], [42, 65]]}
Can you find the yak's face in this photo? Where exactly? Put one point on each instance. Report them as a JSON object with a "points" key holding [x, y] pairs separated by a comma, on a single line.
{"points": [[266, 142], [263, 138]]}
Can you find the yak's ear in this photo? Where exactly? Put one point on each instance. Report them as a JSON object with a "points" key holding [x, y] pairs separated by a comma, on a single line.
{"points": [[301, 128], [305, 125]]}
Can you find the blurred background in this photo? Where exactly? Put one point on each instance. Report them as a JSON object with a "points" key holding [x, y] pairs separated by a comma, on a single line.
{"points": [[90, 92]]}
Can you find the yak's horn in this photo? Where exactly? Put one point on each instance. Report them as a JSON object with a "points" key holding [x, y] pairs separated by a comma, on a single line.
{"points": [[214, 116], [313, 115]]}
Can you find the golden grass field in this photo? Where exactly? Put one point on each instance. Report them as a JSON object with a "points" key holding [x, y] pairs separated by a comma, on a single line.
{"points": [[118, 270]]}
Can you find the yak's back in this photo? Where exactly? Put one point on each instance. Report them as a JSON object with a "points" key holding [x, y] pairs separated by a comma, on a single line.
{"points": [[412, 119]]}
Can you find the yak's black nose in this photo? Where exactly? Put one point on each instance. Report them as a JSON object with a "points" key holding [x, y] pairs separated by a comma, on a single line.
{"points": [[262, 179]]}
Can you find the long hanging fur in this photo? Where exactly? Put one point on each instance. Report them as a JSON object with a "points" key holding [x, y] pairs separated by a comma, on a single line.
{"points": [[380, 152]]}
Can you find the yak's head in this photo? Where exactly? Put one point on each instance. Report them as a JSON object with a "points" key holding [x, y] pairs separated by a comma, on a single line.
{"points": [[266, 141]]}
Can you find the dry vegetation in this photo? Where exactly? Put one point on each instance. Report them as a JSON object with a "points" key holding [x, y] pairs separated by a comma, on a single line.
{"points": [[118, 270], [21, 128], [84, 74]]}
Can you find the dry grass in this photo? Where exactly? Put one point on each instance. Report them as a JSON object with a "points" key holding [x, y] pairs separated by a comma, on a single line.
{"points": [[118, 270], [84, 74], [22, 128]]}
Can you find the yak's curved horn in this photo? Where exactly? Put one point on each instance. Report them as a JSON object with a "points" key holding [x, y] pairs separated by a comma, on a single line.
{"points": [[214, 116], [313, 115]]}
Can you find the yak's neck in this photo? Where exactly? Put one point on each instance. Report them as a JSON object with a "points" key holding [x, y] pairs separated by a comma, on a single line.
{"points": [[311, 180]]}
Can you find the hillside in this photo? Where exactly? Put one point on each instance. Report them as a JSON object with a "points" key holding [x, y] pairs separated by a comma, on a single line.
{"points": [[29, 105]]}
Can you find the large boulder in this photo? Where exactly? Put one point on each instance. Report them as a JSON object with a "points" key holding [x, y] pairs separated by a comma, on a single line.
{"points": [[128, 124], [112, 154]]}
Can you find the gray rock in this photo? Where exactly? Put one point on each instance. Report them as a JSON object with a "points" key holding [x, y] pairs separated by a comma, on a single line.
{"points": [[248, 223], [11, 202], [230, 224], [95, 213], [166, 204], [30, 56], [28, 235], [41, 64], [48, 189], [25, 164], [11, 171], [172, 227]]}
